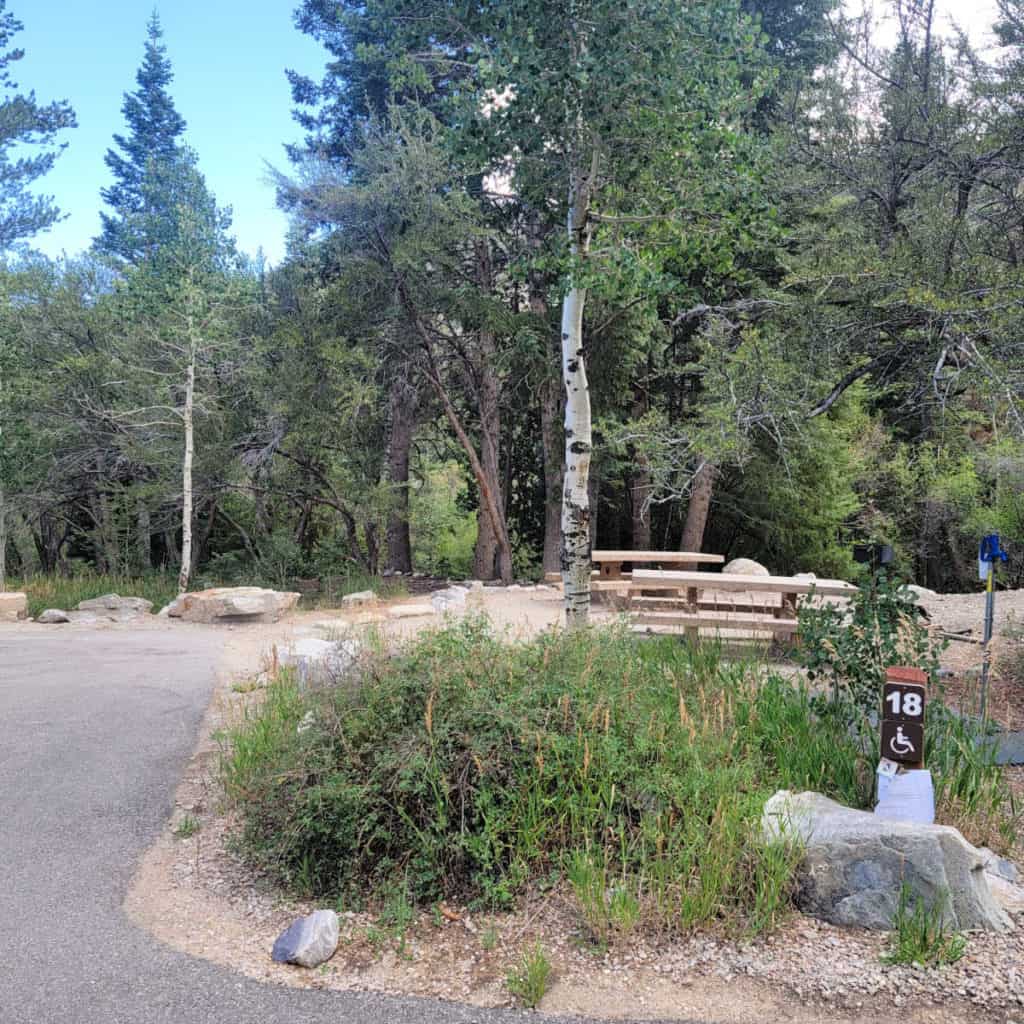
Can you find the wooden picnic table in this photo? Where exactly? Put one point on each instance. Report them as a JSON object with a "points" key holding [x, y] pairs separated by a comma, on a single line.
{"points": [[775, 612], [610, 562]]}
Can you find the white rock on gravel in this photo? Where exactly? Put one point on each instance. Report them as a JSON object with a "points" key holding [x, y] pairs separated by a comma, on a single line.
{"points": [[451, 599], [855, 864], [52, 616], [309, 941], [409, 611], [319, 661], [358, 598]]}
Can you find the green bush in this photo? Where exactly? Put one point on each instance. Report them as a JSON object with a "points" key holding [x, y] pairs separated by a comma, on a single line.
{"points": [[464, 767], [850, 649]]}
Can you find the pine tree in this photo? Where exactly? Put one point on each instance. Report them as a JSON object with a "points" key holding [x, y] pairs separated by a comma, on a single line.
{"points": [[155, 126], [24, 122]]}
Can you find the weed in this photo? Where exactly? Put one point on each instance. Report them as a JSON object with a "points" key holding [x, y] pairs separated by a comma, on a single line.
{"points": [[245, 686], [920, 935], [187, 827], [489, 937], [528, 980]]}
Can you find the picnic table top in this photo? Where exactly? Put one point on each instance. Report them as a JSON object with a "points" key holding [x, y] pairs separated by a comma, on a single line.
{"points": [[725, 581], [656, 556]]}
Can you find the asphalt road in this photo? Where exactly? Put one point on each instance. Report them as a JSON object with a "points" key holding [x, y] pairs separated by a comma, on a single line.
{"points": [[95, 728]]}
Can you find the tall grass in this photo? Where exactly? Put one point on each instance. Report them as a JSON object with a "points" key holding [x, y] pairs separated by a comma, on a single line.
{"points": [[65, 592], [468, 768]]}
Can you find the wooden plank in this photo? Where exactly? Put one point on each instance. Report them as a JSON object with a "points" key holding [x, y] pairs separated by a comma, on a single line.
{"points": [[691, 557], [717, 620], [663, 579]]}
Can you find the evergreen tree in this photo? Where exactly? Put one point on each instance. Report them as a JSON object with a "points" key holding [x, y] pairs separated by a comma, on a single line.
{"points": [[24, 122], [155, 126]]}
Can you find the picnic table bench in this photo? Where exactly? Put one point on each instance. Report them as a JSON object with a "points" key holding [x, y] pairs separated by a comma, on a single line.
{"points": [[695, 600]]}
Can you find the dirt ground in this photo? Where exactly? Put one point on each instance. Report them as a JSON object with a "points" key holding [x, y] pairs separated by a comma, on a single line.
{"points": [[195, 895]]}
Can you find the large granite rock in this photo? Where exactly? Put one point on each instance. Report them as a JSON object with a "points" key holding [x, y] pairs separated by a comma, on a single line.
{"points": [[745, 567], [309, 941], [52, 616], [13, 606], [112, 607], [233, 604], [855, 864]]}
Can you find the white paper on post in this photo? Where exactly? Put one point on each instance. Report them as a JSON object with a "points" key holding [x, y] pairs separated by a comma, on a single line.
{"points": [[908, 796]]}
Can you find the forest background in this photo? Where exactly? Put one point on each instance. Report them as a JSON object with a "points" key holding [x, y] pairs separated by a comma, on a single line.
{"points": [[793, 258]]}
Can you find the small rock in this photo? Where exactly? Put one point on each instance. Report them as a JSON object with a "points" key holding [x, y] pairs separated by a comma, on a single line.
{"points": [[309, 941], [52, 616], [360, 597], [409, 611]]}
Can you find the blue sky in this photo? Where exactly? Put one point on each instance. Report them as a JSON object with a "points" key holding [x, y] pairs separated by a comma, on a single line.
{"points": [[229, 58]]}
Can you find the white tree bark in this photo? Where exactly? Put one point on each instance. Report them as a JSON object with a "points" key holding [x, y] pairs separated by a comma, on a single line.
{"points": [[186, 474], [578, 436]]}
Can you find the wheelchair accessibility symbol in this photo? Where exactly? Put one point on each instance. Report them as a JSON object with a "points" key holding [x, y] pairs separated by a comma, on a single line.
{"points": [[899, 744], [903, 742]]}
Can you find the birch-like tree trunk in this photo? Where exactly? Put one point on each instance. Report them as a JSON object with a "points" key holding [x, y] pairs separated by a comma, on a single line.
{"points": [[186, 473], [578, 435]]}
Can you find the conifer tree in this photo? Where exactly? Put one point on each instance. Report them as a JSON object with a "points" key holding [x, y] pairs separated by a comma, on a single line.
{"points": [[154, 129], [24, 122]]}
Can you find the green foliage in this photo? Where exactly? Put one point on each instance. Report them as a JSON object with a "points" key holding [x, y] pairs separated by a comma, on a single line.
{"points": [[528, 980], [920, 934], [66, 591], [850, 649], [464, 767], [24, 122], [443, 530], [150, 148], [187, 827]]}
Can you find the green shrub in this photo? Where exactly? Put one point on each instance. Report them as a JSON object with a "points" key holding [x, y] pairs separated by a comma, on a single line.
{"points": [[468, 768], [850, 649], [920, 935]]}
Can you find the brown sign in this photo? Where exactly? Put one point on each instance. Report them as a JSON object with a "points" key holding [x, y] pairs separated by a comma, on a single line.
{"points": [[903, 705], [903, 702], [903, 742]]}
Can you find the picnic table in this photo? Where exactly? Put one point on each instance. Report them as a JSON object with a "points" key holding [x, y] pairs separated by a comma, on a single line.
{"points": [[758, 604], [610, 563]]}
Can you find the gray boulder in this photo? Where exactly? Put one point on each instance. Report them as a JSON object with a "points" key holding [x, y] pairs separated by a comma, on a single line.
{"points": [[358, 598], [319, 661], [309, 941], [452, 599], [52, 616], [234, 604], [115, 608], [856, 863], [745, 567]]}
